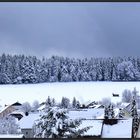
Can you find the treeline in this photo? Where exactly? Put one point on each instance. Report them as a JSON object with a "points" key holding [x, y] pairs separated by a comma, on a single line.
{"points": [[18, 69]]}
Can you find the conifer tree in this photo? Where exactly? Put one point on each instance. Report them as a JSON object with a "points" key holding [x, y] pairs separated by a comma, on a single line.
{"points": [[56, 124], [134, 114], [74, 102]]}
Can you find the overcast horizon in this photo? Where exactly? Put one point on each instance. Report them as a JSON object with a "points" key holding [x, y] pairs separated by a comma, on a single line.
{"points": [[70, 29]]}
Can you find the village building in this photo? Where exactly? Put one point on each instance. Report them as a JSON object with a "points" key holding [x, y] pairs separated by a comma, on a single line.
{"points": [[113, 131], [126, 109], [26, 124], [8, 109], [17, 114]]}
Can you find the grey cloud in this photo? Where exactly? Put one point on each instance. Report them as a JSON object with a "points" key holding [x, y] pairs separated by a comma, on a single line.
{"points": [[70, 29]]}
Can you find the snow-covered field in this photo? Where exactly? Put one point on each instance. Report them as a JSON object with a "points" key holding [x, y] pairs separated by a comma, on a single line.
{"points": [[84, 91]]}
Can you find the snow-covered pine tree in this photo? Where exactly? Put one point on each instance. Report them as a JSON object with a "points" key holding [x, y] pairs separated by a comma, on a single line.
{"points": [[74, 102], [109, 112], [112, 112], [65, 102], [121, 114], [28, 71], [106, 115], [56, 124], [78, 104], [53, 102], [134, 114], [48, 102], [134, 93], [133, 107], [126, 71]]}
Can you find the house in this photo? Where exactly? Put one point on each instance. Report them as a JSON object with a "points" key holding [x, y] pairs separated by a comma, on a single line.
{"points": [[115, 95], [26, 124], [42, 107], [126, 109], [95, 118], [17, 114], [17, 105], [96, 106], [92, 105], [6, 111], [123, 129], [9, 109], [89, 105]]}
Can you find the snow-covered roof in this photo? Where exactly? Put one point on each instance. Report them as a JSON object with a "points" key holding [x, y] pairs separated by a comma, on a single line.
{"points": [[123, 129], [18, 112], [124, 104], [4, 108], [96, 128], [11, 135], [116, 112], [90, 103], [86, 113], [41, 107], [94, 106], [16, 104], [28, 121]]}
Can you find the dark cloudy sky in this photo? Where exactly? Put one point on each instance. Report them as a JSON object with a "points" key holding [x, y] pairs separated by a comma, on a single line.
{"points": [[70, 29]]}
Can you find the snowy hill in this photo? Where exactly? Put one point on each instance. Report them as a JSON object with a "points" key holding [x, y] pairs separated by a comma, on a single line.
{"points": [[83, 91]]}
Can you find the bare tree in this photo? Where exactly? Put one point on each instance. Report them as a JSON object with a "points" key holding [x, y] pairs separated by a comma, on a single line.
{"points": [[35, 105], [26, 107], [126, 96], [106, 101]]}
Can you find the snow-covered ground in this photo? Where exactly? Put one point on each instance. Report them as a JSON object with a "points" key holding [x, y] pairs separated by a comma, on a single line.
{"points": [[11, 135], [84, 91]]}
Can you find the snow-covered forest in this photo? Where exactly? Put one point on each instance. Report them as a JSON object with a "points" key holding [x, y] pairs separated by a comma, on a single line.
{"points": [[19, 69]]}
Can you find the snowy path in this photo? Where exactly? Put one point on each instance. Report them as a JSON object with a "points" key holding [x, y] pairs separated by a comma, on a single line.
{"points": [[138, 133]]}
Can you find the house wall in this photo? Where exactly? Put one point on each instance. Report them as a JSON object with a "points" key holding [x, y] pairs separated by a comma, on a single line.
{"points": [[28, 133], [19, 107], [7, 111]]}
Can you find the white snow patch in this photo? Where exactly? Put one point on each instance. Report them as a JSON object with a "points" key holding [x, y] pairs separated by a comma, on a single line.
{"points": [[11, 135]]}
